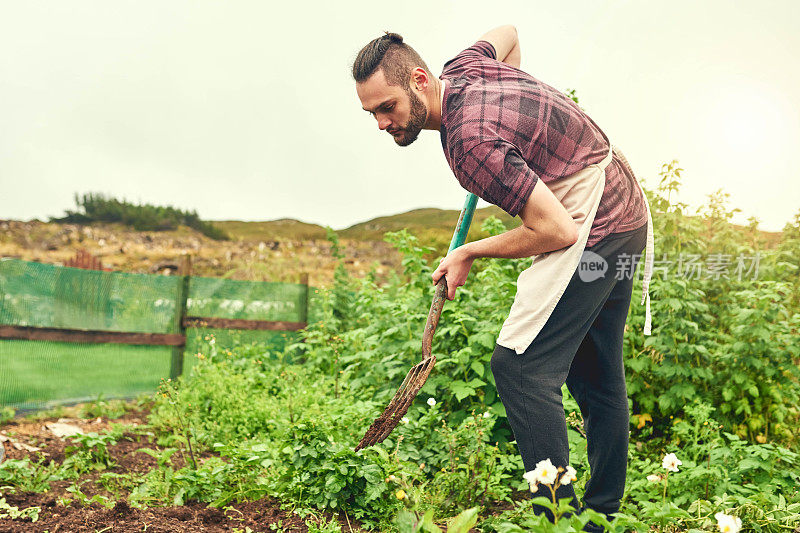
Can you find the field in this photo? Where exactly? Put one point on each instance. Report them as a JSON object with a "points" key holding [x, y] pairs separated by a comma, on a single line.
{"points": [[259, 439]]}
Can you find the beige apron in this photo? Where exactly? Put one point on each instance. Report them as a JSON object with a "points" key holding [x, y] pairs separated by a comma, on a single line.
{"points": [[540, 287]]}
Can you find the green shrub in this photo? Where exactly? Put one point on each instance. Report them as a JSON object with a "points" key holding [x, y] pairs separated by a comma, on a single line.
{"points": [[142, 217]]}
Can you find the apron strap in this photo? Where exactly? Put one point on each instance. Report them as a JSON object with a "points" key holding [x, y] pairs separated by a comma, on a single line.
{"points": [[648, 268], [649, 251], [607, 159]]}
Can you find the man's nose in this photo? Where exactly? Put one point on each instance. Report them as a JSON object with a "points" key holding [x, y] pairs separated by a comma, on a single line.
{"points": [[383, 123]]}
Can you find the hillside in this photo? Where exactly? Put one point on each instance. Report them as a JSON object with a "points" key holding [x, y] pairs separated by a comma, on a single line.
{"points": [[281, 229], [256, 252], [433, 226], [277, 250]]}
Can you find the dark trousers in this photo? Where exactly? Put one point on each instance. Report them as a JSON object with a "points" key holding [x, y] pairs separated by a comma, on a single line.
{"points": [[580, 344]]}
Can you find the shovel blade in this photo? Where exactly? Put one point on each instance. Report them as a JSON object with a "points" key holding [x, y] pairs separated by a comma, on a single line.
{"points": [[399, 404]]}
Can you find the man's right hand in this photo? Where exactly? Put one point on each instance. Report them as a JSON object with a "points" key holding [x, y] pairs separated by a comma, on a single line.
{"points": [[455, 267]]}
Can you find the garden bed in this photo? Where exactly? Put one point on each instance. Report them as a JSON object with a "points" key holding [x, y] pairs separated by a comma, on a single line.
{"points": [[61, 511]]}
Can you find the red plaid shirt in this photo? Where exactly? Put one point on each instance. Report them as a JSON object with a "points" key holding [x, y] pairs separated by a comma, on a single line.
{"points": [[502, 130]]}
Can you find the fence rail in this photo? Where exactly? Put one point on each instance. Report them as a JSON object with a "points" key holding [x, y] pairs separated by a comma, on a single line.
{"points": [[240, 323], [29, 333]]}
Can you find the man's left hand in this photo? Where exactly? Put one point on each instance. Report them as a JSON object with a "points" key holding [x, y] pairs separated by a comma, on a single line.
{"points": [[455, 268]]}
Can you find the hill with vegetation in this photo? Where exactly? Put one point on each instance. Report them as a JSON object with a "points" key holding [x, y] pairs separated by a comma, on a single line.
{"points": [[276, 250]]}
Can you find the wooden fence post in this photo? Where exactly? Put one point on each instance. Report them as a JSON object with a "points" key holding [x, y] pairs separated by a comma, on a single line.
{"points": [[304, 303], [185, 271]]}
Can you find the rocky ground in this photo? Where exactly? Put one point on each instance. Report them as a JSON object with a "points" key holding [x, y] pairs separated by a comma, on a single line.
{"points": [[253, 257]]}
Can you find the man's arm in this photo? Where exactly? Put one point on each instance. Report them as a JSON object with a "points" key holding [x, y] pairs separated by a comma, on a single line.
{"points": [[546, 226], [506, 44]]}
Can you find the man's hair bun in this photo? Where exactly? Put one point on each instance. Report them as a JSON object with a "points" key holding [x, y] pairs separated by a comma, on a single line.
{"points": [[392, 55], [393, 37]]}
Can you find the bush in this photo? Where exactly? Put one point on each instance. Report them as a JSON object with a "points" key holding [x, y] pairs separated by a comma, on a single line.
{"points": [[141, 217]]}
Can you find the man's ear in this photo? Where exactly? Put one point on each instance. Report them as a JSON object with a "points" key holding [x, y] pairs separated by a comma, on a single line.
{"points": [[419, 79]]}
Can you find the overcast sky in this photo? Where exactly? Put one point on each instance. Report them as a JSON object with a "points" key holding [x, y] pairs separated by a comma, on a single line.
{"points": [[246, 110]]}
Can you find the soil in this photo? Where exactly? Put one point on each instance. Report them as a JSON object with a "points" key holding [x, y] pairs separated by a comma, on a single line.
{"points": [[192, 517], [264, 515]]}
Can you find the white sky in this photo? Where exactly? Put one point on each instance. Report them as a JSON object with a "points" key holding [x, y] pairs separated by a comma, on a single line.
{"points": [[246, 110]]}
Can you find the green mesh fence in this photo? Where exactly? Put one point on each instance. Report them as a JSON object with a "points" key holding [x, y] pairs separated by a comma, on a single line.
{"points": [[36, 374], [227, 298]]}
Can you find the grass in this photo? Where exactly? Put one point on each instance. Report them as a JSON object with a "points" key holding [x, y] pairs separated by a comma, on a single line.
{"points": [[35, 373]]}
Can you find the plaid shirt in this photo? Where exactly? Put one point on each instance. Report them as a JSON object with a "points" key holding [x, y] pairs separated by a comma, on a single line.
{"points": [[502, 130]]}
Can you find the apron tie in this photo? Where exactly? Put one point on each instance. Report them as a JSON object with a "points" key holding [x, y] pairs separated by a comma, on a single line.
{"points": [[648, 267], [649, 251]]}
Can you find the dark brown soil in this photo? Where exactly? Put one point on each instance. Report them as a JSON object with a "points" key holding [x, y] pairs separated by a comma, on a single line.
{"points": [[264, 515], [192, 517]]}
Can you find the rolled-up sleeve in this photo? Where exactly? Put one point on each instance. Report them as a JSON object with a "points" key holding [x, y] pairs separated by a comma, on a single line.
{"points": [[496, 172]]}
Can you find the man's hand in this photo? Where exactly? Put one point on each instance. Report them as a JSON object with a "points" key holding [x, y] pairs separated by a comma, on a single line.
{"points": [[455, 268]]}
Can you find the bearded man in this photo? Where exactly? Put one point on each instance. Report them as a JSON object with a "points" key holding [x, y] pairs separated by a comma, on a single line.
{"points": [[524, 146]]}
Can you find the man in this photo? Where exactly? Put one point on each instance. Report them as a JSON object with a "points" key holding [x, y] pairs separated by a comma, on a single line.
{"points": [[522, 145]]}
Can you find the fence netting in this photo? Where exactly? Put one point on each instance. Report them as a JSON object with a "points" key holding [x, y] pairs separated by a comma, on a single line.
{"points": [[35, 373]]}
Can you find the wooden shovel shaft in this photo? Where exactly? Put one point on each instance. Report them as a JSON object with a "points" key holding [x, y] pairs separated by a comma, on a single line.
{"points": [[433, 316]]}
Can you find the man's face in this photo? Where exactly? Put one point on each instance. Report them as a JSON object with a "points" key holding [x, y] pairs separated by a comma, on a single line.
{"points": [[398, 110]]}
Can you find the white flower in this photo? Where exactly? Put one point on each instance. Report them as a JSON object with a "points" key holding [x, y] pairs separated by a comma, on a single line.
{"points": [[531, 479], [569, 476], [405, 420], [727, 523], [545, 472], [431, 402], [671, 462], [654, 478], [487, 414]]}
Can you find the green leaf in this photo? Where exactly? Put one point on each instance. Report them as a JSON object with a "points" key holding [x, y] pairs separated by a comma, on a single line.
{"points": [[464, 521], [427, 523], [461, 390], [478, 367], [406, 522], [487, 340]]}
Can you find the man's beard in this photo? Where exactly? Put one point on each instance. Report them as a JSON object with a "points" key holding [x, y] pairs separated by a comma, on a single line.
{"points": [[416, 120]]}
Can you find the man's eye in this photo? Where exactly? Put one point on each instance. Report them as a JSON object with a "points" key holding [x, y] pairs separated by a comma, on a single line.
{"points": [[389, 108]]}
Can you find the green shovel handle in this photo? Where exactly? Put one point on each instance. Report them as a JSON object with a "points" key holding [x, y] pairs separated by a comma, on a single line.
{"points": [[460, 235], [464, 221]]}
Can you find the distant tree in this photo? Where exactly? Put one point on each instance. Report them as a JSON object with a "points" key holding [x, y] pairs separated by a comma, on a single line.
{"points": [[95, 207]]}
